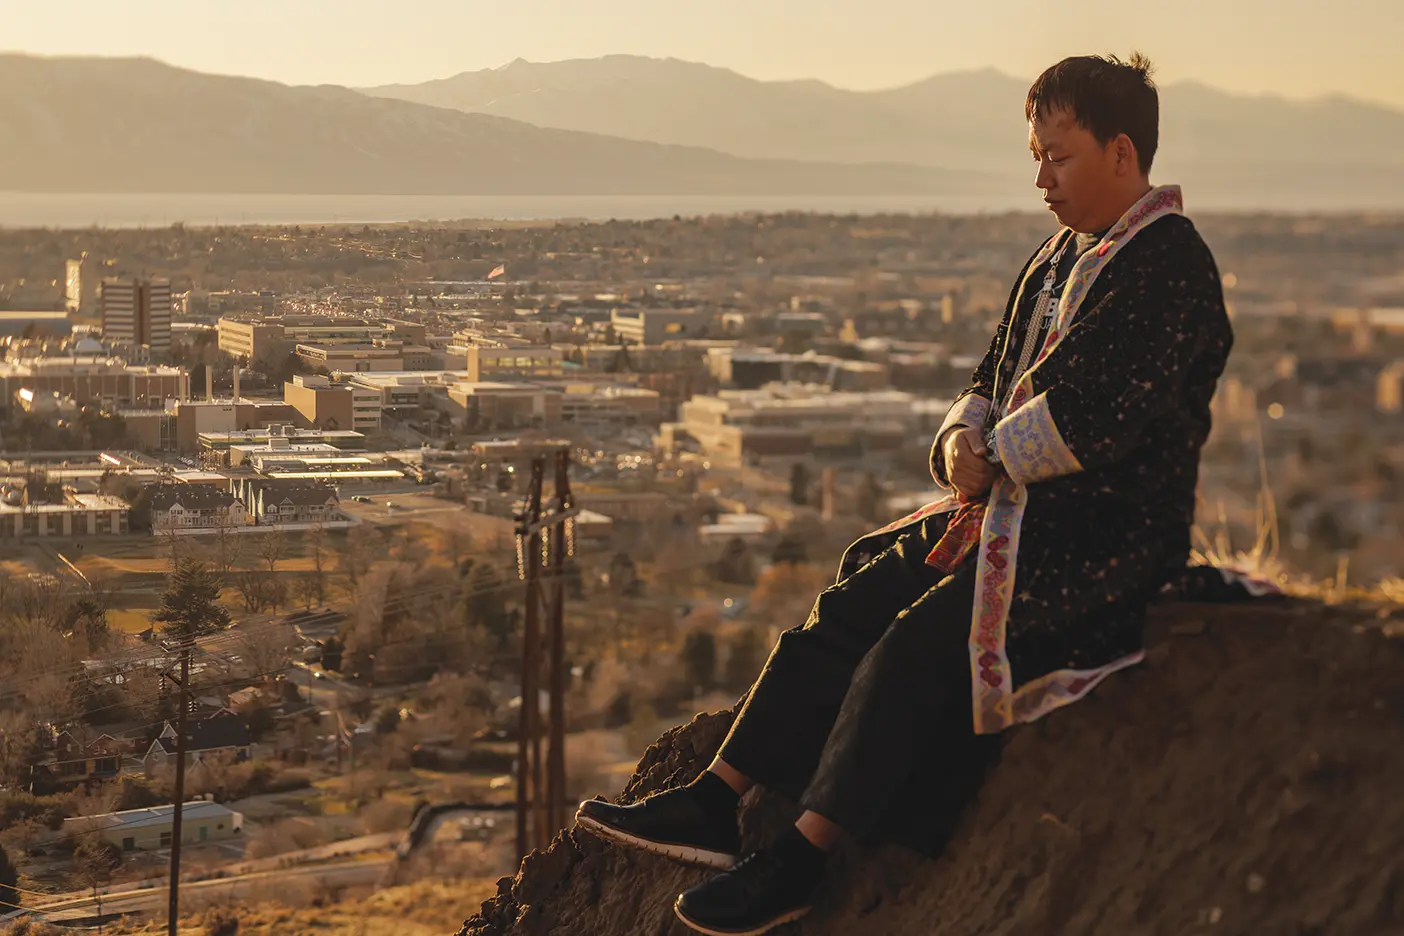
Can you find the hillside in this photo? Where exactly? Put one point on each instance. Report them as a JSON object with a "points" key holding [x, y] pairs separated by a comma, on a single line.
{"points": [[1224, 145], [1244, 781], [135, 125]]}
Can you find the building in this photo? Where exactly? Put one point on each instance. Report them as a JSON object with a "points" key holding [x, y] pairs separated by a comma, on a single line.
{"points": [[591, 404], [80, 285], [151, 828], [278, 500], [655, 326], [37, 323], [109, 381], [136, 312], [72, 759], [216, 447], [255, 337], [197, 419], [195, 507], [354, 358], [753, 368], [251, 340], [485, 363], [223, 735], [405, 389], [76, 515], [736, 427], [482, 407]]}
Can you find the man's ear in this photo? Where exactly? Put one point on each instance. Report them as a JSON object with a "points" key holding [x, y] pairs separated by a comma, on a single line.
{"points": [[1126, 160]]}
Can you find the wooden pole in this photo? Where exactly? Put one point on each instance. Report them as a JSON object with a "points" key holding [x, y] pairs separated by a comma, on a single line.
{"points": [[555, 785], [528, 741], [183, 704]]}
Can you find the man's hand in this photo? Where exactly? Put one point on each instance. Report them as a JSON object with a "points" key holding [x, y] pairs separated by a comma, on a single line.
{"points": [[966, 467]]}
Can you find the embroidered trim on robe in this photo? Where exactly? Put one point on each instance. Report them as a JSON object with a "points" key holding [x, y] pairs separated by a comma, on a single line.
{"points": [[1030, 446], [996, 705]]}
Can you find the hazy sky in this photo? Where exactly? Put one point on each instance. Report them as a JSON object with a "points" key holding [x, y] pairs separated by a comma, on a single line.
{"points": [[1297, 48]]}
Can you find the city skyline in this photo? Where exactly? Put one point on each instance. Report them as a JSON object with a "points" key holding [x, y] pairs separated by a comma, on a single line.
{"points": [[1293, 48]]}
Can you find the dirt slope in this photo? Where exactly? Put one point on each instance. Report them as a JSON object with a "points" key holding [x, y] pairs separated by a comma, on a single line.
{"points": [[1249, 779]]}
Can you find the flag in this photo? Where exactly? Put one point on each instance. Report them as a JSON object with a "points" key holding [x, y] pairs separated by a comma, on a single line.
{"points": [[497, 270]]}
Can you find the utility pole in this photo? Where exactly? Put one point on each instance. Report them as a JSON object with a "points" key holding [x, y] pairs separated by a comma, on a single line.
{"points": [[561, 540], [543, 540], [528, 740], [184, 643]]}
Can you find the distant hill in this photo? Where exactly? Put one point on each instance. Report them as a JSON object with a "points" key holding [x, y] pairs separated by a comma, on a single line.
{"points": [[136, 125], [1251, 149]]}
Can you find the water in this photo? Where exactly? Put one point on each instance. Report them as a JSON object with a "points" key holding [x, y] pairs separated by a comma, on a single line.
{"points": [[125, 210], [131, 210]]}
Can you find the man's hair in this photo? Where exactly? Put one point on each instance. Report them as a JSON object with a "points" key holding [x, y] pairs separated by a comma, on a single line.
{"points": [[1106, 96]]}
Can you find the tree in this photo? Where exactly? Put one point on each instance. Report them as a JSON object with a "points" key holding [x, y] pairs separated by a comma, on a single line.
{"points": [[271, 549], [306, 588], [317, 545], [9, 877], [95, 861], [790, 550], [744, 661], [190, 604], [735, 566], [869, 498], [699, 657], [799, 484], [332, 650]]}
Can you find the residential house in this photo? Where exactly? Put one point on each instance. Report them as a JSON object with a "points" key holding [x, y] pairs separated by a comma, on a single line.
{"points": [[194, 507], [283, 500], [223, 734], [74, 759]]}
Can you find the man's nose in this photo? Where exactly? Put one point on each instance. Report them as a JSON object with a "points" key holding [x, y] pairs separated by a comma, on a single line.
{"points": [[1044, 178]]}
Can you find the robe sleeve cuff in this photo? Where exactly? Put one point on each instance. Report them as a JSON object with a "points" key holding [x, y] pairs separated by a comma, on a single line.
{"points": [[969, 410], [1030, 445]]}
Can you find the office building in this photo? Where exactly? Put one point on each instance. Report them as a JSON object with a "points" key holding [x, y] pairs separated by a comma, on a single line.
{"points": [[93, 380], [136, 312]]}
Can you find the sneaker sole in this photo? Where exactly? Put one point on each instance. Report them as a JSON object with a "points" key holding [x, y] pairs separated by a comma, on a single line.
{"points": [[754, 931], [688, 853]]}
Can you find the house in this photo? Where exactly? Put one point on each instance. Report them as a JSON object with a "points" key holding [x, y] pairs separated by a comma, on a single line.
{"points": [[150, 828], [274, 500], [73, 759], [221, 734], [195, 506]]}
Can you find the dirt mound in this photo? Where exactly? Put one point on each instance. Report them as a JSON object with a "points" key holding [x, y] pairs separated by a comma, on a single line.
{"points": [[1248, 779]]}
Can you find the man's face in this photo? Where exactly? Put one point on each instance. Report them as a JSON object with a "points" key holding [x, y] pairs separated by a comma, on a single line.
{"points": [[1079, 177]]}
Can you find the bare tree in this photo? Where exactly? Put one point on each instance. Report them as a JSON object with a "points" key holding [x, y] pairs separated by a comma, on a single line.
{"points": [[317, 543], [265, 649], [173, 543], [362, 544], [307, 588], [95, 861], [228, 546], [272, 547]]}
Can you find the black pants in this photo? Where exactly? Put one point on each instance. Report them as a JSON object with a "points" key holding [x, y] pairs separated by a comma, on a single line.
{"points": [[867, 705]]}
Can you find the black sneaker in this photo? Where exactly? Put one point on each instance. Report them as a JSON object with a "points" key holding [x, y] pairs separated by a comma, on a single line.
{"points": [[670, 823], [757, 895]]}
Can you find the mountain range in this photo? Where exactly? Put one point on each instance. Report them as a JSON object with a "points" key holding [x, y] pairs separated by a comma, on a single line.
{"points": [[624, 125], [1226, 145]]}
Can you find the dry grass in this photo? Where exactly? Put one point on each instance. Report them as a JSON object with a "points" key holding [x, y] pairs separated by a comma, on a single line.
{"points": [[1261, 559], [424, 908]]}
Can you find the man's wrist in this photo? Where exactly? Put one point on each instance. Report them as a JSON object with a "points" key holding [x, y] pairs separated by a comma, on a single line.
{"points": [[992, 448]]}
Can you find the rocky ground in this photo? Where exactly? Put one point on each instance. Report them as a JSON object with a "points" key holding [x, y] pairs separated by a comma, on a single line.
{"points": [[1248, 779]]}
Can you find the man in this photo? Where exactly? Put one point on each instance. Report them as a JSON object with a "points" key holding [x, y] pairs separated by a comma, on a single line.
{"points": [[1073, 459]]}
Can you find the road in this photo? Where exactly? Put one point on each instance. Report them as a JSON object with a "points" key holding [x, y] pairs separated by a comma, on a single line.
{"points": [[154, 899]]}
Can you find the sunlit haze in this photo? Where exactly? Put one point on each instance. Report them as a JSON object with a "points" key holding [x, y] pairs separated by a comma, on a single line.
{"points": [[1296, 48]]}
